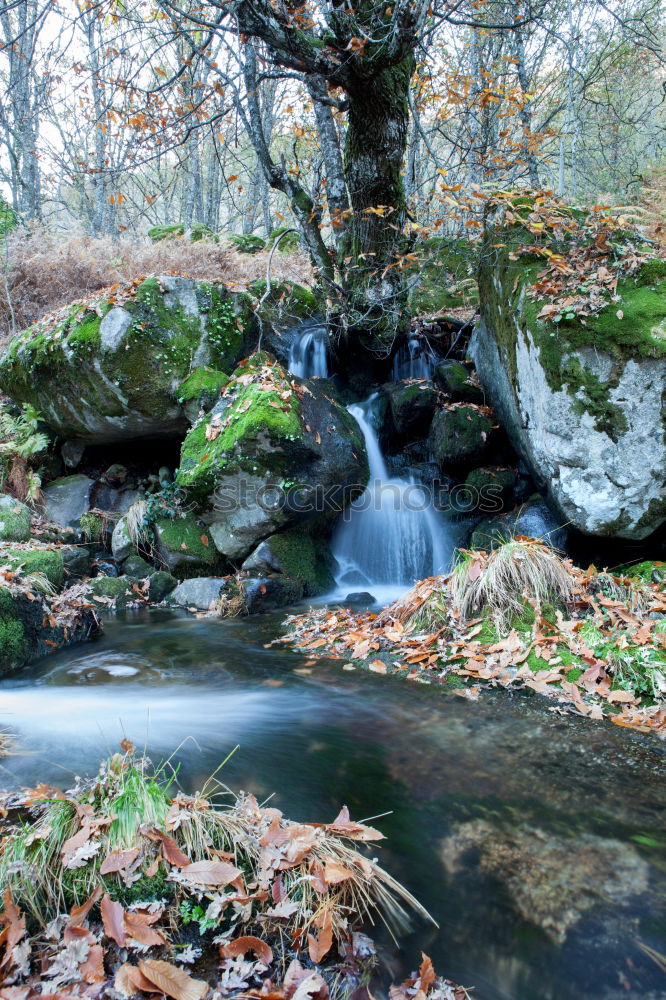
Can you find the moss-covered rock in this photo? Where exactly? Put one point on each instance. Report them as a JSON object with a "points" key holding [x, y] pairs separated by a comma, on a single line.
{"points": [[274, 451], [412, 405], [116, 591], [492, 485], [649, 571], [184, 546], [27, 632], [581, 399], [455, 379], [160, 585], [46, 561], [444, 277], [297, 555], [14, 520], [460, 434], [201, 390], [137, 567], [118, 365]]}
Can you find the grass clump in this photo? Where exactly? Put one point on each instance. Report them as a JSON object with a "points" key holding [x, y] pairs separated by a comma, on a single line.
{"points": [[502, 580]]}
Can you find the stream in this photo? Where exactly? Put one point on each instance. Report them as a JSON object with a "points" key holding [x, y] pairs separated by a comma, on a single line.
{"points": [[536, 840]]}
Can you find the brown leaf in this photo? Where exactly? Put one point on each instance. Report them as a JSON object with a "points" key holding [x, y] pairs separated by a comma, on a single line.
{"points": [[13, 927], [92, 970], [130, 980], [241, 945], [113, 919], [377, 667], [354, 831], [170, 849], [210, 873], [334, 872], [137, 926], [118, 861], [173, 982], [319, 947]]}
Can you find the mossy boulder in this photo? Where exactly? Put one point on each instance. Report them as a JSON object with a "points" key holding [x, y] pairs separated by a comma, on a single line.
{"points": [[43, 560], [492, 486], [200, 391], [184, 547], [26, 632], [112, 591], [160, 585], [15, 520], [412, 405], [581, 399], [460, 434], [295, 555], [137, 567], [444, 277], [118, 362], [274, 452], [456, 379]]}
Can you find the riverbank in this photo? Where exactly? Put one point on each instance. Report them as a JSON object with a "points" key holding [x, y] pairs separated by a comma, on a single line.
{"points": [[125, 883], [518, 617]]}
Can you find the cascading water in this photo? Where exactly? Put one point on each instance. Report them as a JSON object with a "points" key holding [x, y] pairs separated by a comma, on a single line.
{"points": [[391, 536], [415, 359], [308, 353]]}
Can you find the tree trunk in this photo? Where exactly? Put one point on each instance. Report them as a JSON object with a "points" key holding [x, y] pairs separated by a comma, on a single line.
{"points": [[375, 148]]}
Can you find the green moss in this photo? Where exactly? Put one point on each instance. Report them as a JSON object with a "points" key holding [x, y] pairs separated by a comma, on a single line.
{"points": [[92, 527], [649, 571], [14, 520], [253, 411], [444, 277], [202, 383], [117, 588], [48, 562], [287, 301], [632, 327], [304, 558], [184, 535], [13, 643]]}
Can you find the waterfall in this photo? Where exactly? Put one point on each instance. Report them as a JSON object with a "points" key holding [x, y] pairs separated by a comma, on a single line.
{"points": [[307, 355], [415, 359], [391, 536]]}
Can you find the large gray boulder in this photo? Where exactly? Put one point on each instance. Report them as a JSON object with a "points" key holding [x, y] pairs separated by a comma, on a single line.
{"points": [[66, 500], [274, 452], [112, 369], [583, 403]]}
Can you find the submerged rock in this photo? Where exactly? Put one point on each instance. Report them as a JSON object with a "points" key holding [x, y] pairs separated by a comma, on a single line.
{"points": [[274, 451], [553, 881], [267, 593], [118, 367], [15, 519], [581, 402]]}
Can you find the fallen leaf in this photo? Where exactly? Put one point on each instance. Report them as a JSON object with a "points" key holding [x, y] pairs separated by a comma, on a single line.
{"points": [[113, 920], [210, 873], [171, 981], [241, 945]]}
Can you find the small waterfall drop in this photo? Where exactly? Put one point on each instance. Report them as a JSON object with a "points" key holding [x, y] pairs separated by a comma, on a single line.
{"points": [[415, 359], [308, 353], [390, 536]]}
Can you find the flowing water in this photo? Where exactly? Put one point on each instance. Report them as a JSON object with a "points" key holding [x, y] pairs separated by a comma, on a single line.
{"points": [[391, 536], [415, 359], [308, 353], [536, 840]]}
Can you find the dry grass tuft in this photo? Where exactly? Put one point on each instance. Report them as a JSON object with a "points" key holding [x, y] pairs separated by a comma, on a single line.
{"points": [[45, 271], [502, 581]]}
